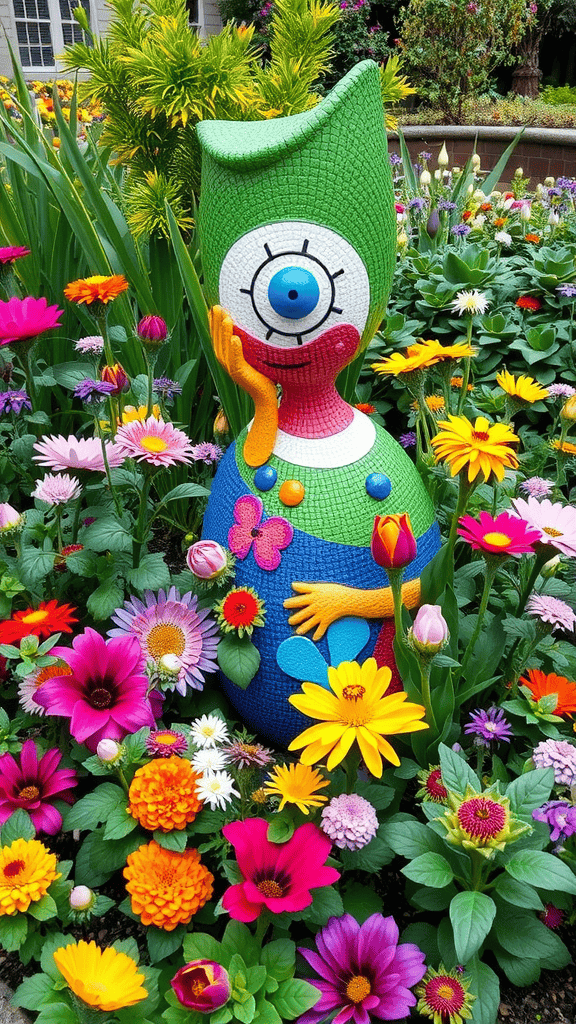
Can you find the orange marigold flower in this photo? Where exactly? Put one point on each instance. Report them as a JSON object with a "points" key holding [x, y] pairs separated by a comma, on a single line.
{"points": [[163, 795], [563, 446], [167, 888], [27, 870], [365, 407], [541, 684], [532, 238], [499, 222], [96, 289]]}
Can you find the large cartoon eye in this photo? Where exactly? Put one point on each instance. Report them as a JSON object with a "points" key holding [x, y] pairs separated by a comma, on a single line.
{"points": [[288, 282]]}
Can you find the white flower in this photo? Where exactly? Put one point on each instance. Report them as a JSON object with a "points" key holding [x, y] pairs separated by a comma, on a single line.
{"points": [[425, 178], [209, 730], [208, 760], [81, 898], [553, 219], [476, 161], [478, 221], [503, 238], [525, 212], [443, 158], [216, 789], [470, 302]]}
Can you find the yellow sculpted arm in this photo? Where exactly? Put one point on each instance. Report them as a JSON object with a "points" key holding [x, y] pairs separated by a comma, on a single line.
{"points": [[318, 605], [259, 443]]}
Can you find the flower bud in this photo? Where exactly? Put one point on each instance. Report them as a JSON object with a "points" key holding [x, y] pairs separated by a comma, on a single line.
{"points": [[433, 224], [568, 410], [518, 173], [443, 160], [425, 178], [476, 162], [109, 751], [393, 544], [152, 331], [81, 898], [525, 212], [202, 985], [429, 634], [206, 559], [402, 240], [221, 426], [456, 170], [549, 182], [553, 219], [11, 521], [170, 664], [117, 376], [438, 175], [550, 568]]}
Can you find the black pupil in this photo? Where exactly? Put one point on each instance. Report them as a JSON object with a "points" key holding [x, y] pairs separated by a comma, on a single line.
{"points": [[292, 294]]}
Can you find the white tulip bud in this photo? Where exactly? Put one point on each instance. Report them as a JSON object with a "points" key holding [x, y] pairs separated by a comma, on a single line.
{"points": [[81, 898], [438, 175], [553, 219], [425, 178], [443, 160], [476, 161], [525, 212]]}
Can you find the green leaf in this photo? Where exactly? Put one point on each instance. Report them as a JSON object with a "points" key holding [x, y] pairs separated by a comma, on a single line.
{"points": [[106, 534], [456, 772], [425, 937], [520, 971], [171, 840], [57, 1013], [518, 893], [379, 795], [410, 838], [278, 957], [13, 931], [17, 826], [429, 869], [119, 824], [33, 991], [471, 914], [52, 942], [293, 998], [529, 791], [361, 901], [184, 491], [245, 1011], [95, 807], [44, 909], [238, 659], [543, 870], [433, 899], [280, 829], [202, 946], [238, 936], [267, 1014], [491, 180], [371, 858], [97, 859], [151, 574], [327, 903], [102, 601], [162, 943], [523, 935], [486, 987]]}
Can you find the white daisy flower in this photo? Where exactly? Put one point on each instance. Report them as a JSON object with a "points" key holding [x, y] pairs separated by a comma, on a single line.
{"points": [[470, 302], [209, 730], [503, 238], [209, 760], [216, 789]]}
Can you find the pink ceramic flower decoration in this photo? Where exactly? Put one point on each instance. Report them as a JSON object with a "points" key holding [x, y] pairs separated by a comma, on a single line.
{"points": [[26, 318], [267, 539], [505, 535], [33, 784], [278, 876]]}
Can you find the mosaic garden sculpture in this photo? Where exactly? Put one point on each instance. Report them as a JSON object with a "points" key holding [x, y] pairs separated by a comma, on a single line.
{"points": [[298, 229]]}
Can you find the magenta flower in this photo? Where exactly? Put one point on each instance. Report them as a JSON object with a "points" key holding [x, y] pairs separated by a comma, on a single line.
{"points": [[505, 535], [60, 453], [364, 973], [26, 318], [276, 876], [267, 539], [9, 253], [33, 784], [106, 695], [202, 985]]}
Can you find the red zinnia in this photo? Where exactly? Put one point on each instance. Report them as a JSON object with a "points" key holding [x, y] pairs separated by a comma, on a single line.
{"points": [[240, 610], [482, 818], [443, 997], [48, 618], [433, 789], [529, 302]]}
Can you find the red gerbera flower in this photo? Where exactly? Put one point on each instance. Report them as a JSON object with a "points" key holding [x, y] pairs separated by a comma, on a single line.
{"points": [[529, 302], [240, 610], [444, 996], [48, 618]]}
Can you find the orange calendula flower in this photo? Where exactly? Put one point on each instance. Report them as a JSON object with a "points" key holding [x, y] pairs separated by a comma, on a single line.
{"points": [[167, 888], [365, 407], [296, 784], [96, 289], [163, 794], [565, 447], [535, 239], [27, 870], [103, 978], [499, 222], [541, 684], [523, 388], [482, 447]]}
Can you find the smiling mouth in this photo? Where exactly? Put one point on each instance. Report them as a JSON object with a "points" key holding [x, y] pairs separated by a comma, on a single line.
{"points": [[287, 366]]}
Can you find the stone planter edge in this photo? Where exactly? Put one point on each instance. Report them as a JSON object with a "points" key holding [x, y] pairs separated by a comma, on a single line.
{"points": [[500, 133]]}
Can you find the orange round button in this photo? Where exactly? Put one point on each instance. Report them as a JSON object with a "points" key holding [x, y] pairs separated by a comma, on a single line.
{"points": [[291, 492]]}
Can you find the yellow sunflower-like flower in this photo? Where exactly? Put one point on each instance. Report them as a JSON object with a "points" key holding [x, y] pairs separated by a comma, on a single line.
{"points": [[420, 356], [163, 794], [296, 784], [98, 289], [460, 351], [481, 446], [104, 978], [564, 447], [27, 870], [167, 888], [356, 710], [524, 388], [435, 403]]}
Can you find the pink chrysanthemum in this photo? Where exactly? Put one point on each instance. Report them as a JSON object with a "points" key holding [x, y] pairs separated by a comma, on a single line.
{"points": [[556, 522], [559, 755], [561, 390], [93, 343], [504, 535], [537, 487], [32, 784], [9, 253], [166, 743], [247, 755], [172, 625], [21, 319], [551, 609], [482, 818], [106, 695], [349, 821], [75, 453], [155, 442], [57, 489]]}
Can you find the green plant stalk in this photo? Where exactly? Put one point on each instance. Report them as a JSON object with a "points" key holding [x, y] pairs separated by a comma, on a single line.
{"points": [[351, 765], [76, 522], [541, 558], [466, 376], [478, 864], [422, 416], [395, 580], [425, 669], [102, 322], [24, 353], [150, 356], [492, 567], [139, 534], [116, 499], [464, 492]]}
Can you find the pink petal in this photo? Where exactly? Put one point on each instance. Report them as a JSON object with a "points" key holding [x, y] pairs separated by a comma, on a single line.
{"points": [[29, 759], [9, 770], [240, 540], [46, 819], [238, 906], [252, 849]]}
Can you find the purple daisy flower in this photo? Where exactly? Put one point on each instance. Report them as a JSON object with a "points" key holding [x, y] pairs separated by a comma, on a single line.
{"points": [[568, 291], [560, 391], [167, 388], [552, 610], [395, 159], [93, 391], [559, 755], [418, 203], [170, 625], [537, 487], [408, 440], [14, 401], [364, 973], [488, 727], [560, 816], [349, 821], [207, 452]]}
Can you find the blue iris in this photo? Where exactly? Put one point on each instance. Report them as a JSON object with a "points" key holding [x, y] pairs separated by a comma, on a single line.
{"points": [[293, 292]]}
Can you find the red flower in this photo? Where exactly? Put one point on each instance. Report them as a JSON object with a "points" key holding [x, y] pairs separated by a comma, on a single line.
{"points": [[278, 876], [393, 544], [467, 214], [21, 319], [365, 407], [529, 302], [48, 618]]}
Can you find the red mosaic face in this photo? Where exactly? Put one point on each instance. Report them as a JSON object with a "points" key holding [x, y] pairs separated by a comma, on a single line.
{"points": [[320, 360]]}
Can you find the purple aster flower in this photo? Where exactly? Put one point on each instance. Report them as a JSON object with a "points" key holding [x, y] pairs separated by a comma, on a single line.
{"points": [[488, 727], [568, 291], [460, 230], [559, 755], [551, 609], [14, 401], [568, 183], [418, 203], [93, 391], [247, 755], [560, 390], [537, 487], [172, 629], [167, 388], [349, 821], [445, 204], [395, 159], [560, 816], [207, 452], [364, 972], [425, 156], [408, 440]]}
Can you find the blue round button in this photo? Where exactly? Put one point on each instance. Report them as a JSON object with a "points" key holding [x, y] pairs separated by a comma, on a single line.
{"points": [[378, 485], [293, 293], [265, 477]]}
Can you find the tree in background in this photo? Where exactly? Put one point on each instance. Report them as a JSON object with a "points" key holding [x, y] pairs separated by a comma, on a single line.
{"points": [[557, 16]]}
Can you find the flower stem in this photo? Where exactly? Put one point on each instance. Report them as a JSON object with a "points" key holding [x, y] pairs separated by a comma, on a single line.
{"points": [[150, 357], [425, 669], [540, 560], [139, 535], [117, 504], [395, 579], [466, 376], [351, 764], [491, 570], [76, 523], [464, 492]]}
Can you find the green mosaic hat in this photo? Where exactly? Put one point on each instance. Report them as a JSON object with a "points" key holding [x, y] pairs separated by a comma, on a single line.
{"points": [[328, 165]]}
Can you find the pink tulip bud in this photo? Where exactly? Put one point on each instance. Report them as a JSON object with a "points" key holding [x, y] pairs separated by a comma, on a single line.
{"points": [[429, 634], [202, 985], [207, 559], [152, 330]]}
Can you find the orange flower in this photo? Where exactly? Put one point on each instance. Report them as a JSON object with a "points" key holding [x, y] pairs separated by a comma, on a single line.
{"points": [[96, 289], [167, 888], [163, 795], [499, 222], [365, 407], [563, 446], [540, 685], [27, 870], [393, 544], [532, 238]]}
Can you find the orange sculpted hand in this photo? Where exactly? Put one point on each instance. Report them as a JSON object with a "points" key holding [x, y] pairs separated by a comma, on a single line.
{"points": [[318, 605]]}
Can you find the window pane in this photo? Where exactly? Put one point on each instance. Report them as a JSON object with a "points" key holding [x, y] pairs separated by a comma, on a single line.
{"points": [[47, 56], [33, 33], [45, 36], [43, 11], [66, 33], [24, 56], [35, 55], [22, 34], [192, 8], [18, 8]]}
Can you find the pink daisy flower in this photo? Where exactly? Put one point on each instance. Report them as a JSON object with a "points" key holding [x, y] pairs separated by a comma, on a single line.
{"points": [[170, 625], [105, 697], [551, 609], [9, 253], [76, 453], [93, 343], [57, 489], [155, 442], [21, 319], [32, 784], [556, 522], [504, 536]]}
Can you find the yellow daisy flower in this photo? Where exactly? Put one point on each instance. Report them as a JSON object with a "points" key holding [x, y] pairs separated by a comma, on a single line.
{"points": [[420, 356], [296, 784], [355, 711], [524, 388], [104, 978], [461, 351], [131, 413], [481, 446]]}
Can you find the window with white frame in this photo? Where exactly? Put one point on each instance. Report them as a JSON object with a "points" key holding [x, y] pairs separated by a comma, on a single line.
{"points": [[44, 28]]}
